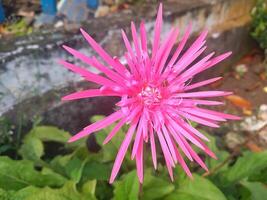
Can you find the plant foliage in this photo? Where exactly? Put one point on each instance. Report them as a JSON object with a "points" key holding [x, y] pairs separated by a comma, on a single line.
{"points": [[259, 23], [82, 175]]}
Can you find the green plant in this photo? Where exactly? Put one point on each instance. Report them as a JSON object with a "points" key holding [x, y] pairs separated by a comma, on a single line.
{"points": [[80, 174], [259, 23]]}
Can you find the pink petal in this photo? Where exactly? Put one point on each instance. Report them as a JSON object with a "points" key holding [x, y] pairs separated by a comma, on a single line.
{"points": [[165, 148], [180, 46], [88, 93], [182, 162], [203, 94], [177, 126], [116, 65], [199, 120], [87, 75], [139, 162], [199, 66], [186, 58], [138, 137], [218, 59], [202, 113], [136, 41], [195, 131], [202, 102], [167, 48], [223, 115], [169, 167], [180, 142], [143, 36], [115, 130], [93, 62], [97, 126], [153, 146], [195, 156], [122, 151], [157, 29], [169, 143], [202, 83]]}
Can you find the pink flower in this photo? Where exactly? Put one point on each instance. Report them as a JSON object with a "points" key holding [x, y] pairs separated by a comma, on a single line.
{"points": [[155, 94]]}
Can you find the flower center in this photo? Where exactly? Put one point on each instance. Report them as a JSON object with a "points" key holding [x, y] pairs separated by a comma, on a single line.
{"points": [[151, 95]]}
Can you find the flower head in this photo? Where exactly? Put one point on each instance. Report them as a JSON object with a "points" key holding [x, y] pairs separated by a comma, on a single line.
{"points": [[155, 94]]}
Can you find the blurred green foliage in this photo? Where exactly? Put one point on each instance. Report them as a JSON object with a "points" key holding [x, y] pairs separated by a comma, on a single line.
{"points": [[259, 23], [82, 175]]}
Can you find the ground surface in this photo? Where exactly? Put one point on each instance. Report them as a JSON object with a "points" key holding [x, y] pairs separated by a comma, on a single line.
{"points": [[247, 79]]}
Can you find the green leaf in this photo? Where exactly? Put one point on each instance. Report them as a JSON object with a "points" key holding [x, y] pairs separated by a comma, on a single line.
{"points": [[59, 163], [25, 193], [198, 189], [5, 195], [50, 133], [72, 165], [15, 175], [257, 190], [109, 151], [68, 192], [89, 187], [244, 167], [96, 170], [127, 188], [221, 155], [155, 187], [259, 176], [32, 149], [74, 168], [104, 190]]}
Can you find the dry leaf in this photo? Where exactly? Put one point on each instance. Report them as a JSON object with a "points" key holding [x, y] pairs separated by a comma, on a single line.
{"points": [[253, 147], [247, 112], [217, 83], [239, 102], [263, 76], [265, 89]]}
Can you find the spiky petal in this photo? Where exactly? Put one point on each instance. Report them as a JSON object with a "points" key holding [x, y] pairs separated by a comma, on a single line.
{"points": [[156, 98]]}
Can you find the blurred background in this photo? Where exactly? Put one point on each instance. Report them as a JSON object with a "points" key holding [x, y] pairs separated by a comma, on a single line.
{"points": [[35, 124]]}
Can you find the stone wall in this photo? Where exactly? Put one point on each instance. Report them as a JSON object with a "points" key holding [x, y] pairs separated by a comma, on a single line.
{"points": [[32, 82]]}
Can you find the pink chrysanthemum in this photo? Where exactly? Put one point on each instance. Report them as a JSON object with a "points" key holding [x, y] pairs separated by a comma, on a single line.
{"points": [[155, 98]]}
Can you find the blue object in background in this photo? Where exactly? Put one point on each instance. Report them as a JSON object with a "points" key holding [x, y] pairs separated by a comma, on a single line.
{"points": [[2, 13], [49, 7], [93, 4]]}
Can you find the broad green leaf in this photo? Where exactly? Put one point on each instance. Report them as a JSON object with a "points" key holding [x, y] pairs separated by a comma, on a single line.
{"points": [[155, 187], [199, 188], [68, 192], [50, 133], [127, 188], [96, 170], [72, 165], [50, 172], [259, 176], [5, 195], [244, 167], [110, 149], [104, 190], [25, 193], [74, 168], [59, 163], [102, 134], [32, 149], [15, 175], [221, 154], [257, 190], [89, 187]]}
